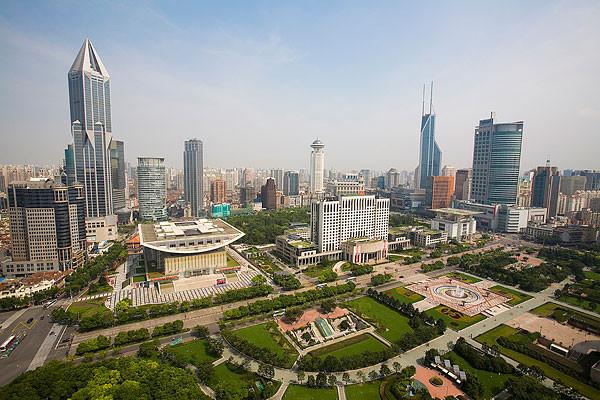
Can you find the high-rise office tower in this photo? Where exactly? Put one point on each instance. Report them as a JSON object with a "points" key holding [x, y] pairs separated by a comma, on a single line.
{"points": [[91, 127], [317, 165], [496, 162], [430, 156], [277, 174], [151, 188], [544, 189], [268, 194], [439, 192], [217, 191], [47, 227], [193, 176], [462, 184], [291, 183], [392, 178], [449, 170], [592, 179], [117, 168]]}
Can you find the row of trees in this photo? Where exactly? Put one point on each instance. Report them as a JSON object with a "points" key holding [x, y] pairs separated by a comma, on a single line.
{"points": [[12, 303], [263, 227], [125, 313], [133, 336], [260, 353], [285, 301], [332, 363], [380, 279], [119, 378], [81, 277], [286, 281], [424, 327], [494, 265], [357, 270], [481, 360]]}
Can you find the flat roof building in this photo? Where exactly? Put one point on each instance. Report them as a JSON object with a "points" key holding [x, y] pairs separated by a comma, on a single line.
{"points": [[187, 248]]}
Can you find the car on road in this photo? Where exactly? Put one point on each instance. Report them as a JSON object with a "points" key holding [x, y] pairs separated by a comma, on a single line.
{"points": [[30, 320], [42, 318]]}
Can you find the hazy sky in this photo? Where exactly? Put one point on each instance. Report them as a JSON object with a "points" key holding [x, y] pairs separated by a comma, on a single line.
{"points": [[258, 81]]}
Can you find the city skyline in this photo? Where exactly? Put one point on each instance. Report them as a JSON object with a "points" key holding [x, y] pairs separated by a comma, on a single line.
{"points": [[554, 94]]}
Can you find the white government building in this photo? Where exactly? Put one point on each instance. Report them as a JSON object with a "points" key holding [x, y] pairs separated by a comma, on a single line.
{"points": [[355, 226]]}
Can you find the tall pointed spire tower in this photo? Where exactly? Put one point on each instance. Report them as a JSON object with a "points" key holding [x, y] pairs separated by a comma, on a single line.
{"points": [[430, 156], [88, 159]]}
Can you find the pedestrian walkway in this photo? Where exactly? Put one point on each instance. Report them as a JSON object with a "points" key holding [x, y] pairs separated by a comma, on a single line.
{"points": [[280, 391], [141, 296]]}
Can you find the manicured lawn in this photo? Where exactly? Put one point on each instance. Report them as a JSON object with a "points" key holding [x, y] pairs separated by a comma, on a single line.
{"points": [[515, 296], [349, 347], [453, 323], [492, 382], [315, 270], [88, 307], [231, 262], [404, 295], [554, 310], [139, 278], [579, 302], [395, 257], [490, 337], [390, 324], [225, 377], [363, 391], [266, 335], [193, 352], [301, 392], [463, 277], [592, 275]]}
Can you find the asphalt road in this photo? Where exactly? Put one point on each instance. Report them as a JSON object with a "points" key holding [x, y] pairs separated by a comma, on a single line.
{"points": [[35, 334]]}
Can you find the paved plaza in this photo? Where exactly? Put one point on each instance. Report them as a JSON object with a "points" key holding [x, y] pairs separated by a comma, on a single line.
{"points": [[141, 295], [461, 296]]}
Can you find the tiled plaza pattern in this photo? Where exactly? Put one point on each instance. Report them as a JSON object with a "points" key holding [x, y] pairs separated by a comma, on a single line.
{"points": [[141, 296], [469, 300]]}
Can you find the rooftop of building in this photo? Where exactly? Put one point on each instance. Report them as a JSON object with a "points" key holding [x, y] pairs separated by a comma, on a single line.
{"points": [[300, 244], [455, 212], [163, 235]]}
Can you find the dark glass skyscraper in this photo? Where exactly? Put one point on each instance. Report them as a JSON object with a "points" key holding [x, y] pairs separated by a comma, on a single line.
{"points": [[91, 127], [496, 162], [193, 176], [117, 170], [430, 156]]}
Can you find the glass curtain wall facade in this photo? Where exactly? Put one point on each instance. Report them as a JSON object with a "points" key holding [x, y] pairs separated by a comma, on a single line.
{"points": [[193, 176], [430, 156], [151, 188], [496, 162], [91, 127]]}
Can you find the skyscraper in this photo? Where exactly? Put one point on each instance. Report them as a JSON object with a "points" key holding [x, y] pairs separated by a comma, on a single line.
{"points": [[151, 188], [47, 227], [496, 162], [439, 191], [267, 194], [462, 187], [91, 127], [430, 156], [193, 173], [277, 174], [217, 191], [544, 189], [117, 168], [291, 183], [317, 164]]}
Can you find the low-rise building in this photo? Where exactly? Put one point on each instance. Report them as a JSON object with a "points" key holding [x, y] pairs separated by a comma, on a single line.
{"points": [[34, 283], [101, 229], [364, 250], [297, 251], [174, 250], [502, 217], [419, 236], [459, 224]]}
